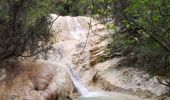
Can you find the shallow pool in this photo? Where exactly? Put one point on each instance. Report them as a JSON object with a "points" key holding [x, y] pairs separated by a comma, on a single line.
{"points": [[108, 96]]}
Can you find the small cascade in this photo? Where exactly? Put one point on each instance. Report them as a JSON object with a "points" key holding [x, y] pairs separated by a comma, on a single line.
{"points": [[73, 75], [77, 83], [76, 33]]}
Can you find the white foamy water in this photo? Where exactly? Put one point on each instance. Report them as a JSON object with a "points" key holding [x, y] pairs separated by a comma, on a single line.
{"points": [[76, 33], [108, 96], [77, 83]]}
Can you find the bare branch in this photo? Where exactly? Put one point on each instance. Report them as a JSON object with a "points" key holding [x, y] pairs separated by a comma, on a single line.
{"points": [[166, 84]]}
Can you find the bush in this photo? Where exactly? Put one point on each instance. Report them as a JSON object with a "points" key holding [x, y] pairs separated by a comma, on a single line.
{"points": [[24, 28], [145, 34]]}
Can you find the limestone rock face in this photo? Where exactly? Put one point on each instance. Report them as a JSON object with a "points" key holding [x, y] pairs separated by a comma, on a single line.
{"points": [[110, 76], [87, 52], [97, 52], [36, 81], [69, 28]]}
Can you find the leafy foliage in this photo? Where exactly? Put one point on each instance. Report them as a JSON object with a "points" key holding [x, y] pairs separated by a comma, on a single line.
{"points": [[73, 7], [144, 34], [24, 27]]}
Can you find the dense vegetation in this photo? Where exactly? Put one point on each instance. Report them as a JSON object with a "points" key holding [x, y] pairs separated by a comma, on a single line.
{"points": [[73, 7], [24, 27], [144, 35]]}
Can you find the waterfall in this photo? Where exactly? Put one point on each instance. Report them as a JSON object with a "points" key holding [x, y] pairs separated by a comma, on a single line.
{"points": [[73, 75], [69, 48], [77, 83], [77, 31]]}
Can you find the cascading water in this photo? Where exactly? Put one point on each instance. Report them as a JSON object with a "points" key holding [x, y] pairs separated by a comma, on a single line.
{"points": [[77, 83], [67, 49], [77, 31], [65, 57], [73, 75]]}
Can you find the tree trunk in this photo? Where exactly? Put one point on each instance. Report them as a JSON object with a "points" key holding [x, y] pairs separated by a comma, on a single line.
{"points": [[120, 6]]}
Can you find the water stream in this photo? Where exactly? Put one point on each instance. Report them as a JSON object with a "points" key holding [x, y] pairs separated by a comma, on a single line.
{"points": [[77, 83], [85, 93], [77, 30], [72, 73], [68, 46]]}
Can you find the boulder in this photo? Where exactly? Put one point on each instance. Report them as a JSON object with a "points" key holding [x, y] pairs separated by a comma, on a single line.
{"points": [[36, 81]]}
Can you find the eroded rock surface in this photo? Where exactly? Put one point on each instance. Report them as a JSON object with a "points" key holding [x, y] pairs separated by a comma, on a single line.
{"points": [[36, 81], [110, 75]]}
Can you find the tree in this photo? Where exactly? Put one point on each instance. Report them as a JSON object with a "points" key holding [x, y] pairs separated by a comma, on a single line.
{"points": [[73, 7], [24, 27], [144, 35]]}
